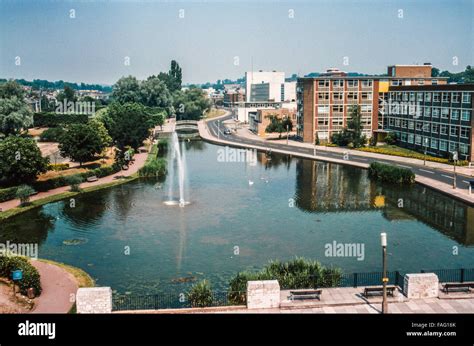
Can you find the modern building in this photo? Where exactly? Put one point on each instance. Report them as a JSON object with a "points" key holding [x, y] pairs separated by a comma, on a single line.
{"points": [[324, 102], [435, 118], [232, 97], [264, 86], [244, 111]]}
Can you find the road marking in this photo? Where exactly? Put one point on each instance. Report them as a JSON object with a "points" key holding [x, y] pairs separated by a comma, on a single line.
{"points": [[403, 166], [447, 176], [424, 170], [465, 181]]}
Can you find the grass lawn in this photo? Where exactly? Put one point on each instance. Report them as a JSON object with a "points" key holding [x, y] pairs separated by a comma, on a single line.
{"points": [[403, 152], [213, 113]]}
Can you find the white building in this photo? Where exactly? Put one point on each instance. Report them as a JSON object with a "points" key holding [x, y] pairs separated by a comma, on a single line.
{"points": [[264, 86]]}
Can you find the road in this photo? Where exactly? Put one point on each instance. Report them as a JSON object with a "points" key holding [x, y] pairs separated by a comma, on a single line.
{"points": [[216, 128]]}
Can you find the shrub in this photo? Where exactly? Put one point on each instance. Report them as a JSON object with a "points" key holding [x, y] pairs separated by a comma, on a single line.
{"points": [[391, 138], [153, 168], [24, 192], [391, 174], [46, 119], [52, 134], [8, 194], [294, 274], [200, 295], [74, 181], [58, 166], [31, 277]]}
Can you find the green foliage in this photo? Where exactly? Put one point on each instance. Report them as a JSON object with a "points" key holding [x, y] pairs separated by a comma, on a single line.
{"points": [[81, 143], [352, 135], [154, 93], [391, 174], [31, 276], [8, 193], [44, 84], [391, 138], [97, 125], [11, 89], [126, 90], [15, 115], [294, 274], [74, 181], [58, 166], [154, 168], [20, 160], [190, 104], [52, 134], [200, 295], [466, 76], [127, 124], [23, 192], [50, 119], [278, 124], [67, 94]]}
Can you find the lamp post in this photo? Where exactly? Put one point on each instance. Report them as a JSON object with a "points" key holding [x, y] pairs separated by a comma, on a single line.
{"points": [[455, 158], [424, 155], [383, 240]]}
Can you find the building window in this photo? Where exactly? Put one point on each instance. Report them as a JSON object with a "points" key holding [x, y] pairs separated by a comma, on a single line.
{"points": [[412, 96], [324, 83], [390, 121], [352, 83], [366, 96], [434, 81], [435, 97], [421, 82], [452, 146], [323, 96], [419, 125], [428, 112], [465, 132], [455, 97], [434, 128], [404, 124], [466, 115], [427, 97], [444, 113], [352, 96], [426, 127], [463, 148], [411, 125], [454, 131], [323, 109], [436, 112], [403, 137], [418, 140], [443, 129], [411, 138], [338, 83], [366, 83], [338, 108], [366, 108], [396, 82], [419, 97], [466, 98], [454, 114], [405, 97], [443, 145], [337, 96], [397, 122], [434, 143], [445, 97]]}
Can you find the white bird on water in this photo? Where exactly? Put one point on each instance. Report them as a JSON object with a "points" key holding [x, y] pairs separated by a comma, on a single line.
{"points": [[250, 182]]}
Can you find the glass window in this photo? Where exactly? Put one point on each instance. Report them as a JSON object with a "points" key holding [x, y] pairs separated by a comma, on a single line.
{"points": [[419, 125], [366, 83], [411, 125], [435, 112], [443, 129], [405, 97], [452, 146], [454, 131], [463, 148], [352, 83], [426, 127], [465, 132], [428, 112], [427, 97], [435, 97], [455, 97], [455, 114], [337, 83], [434, 128], [323, 83], [411, 138], [418, 139], [445, 97], [412, 96], [443, 145], [403, 137], [390, 121], [444, 112], [419, 97], [466, 115], [397, 122], [466, 98], [434, 143]]}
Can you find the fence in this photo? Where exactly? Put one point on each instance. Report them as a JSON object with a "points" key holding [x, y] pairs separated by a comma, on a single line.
{"points": [[167, 300]]}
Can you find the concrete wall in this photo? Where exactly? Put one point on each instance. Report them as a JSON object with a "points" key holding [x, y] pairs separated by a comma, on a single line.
{"points": [[94, 300], [421, 285], [263, 294]]}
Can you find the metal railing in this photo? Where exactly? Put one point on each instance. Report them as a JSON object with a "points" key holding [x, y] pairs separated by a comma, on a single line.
{"points": [[167, 300]]}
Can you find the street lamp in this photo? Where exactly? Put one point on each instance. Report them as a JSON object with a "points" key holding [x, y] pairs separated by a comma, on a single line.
{"points": [[424, 156], [455, 158], [383, 240]]}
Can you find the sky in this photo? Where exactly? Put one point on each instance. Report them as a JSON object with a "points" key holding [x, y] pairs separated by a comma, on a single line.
{"points": [[214, 40]]}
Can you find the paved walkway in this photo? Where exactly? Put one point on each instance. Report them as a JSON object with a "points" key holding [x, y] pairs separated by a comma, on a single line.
{"points": [[432, 175], [140, 159], [58, 287]]}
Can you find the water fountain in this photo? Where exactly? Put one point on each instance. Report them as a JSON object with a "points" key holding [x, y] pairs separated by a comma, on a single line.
{"points": [[176, 157]]}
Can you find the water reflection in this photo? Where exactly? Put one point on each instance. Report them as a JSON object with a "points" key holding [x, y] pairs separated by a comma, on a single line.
{"points": [[35, 231], [326, 187]]}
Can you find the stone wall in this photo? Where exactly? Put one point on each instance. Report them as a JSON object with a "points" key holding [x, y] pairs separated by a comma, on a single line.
{"points": [[421, 285], [94, 300], [263, 294]]}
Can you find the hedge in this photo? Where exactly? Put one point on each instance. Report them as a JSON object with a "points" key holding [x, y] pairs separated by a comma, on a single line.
{"points": [[58, 166], [8, 194], [31, 277], [46, 119], [391, 174]]}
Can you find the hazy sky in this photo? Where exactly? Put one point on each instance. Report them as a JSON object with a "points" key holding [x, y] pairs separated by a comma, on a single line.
{"points": [[92, 46]]}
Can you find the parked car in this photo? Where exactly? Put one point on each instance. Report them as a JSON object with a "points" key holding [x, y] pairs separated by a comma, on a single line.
{"points": [[227, 132]]}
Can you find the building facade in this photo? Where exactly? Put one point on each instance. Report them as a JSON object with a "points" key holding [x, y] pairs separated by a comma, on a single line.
{"points": [[437, 119], [259, 121]]}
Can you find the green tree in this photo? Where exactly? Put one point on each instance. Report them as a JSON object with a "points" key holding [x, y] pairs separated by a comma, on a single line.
{"points": [[67, 94], [81, 143], [20, 160], [127, 89], [190, 104], [15, 115], [278, 124], [352, 135], [10, 89], [154, 93], [176, 76], [23, 193], [128, 124], [98, 126]]}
